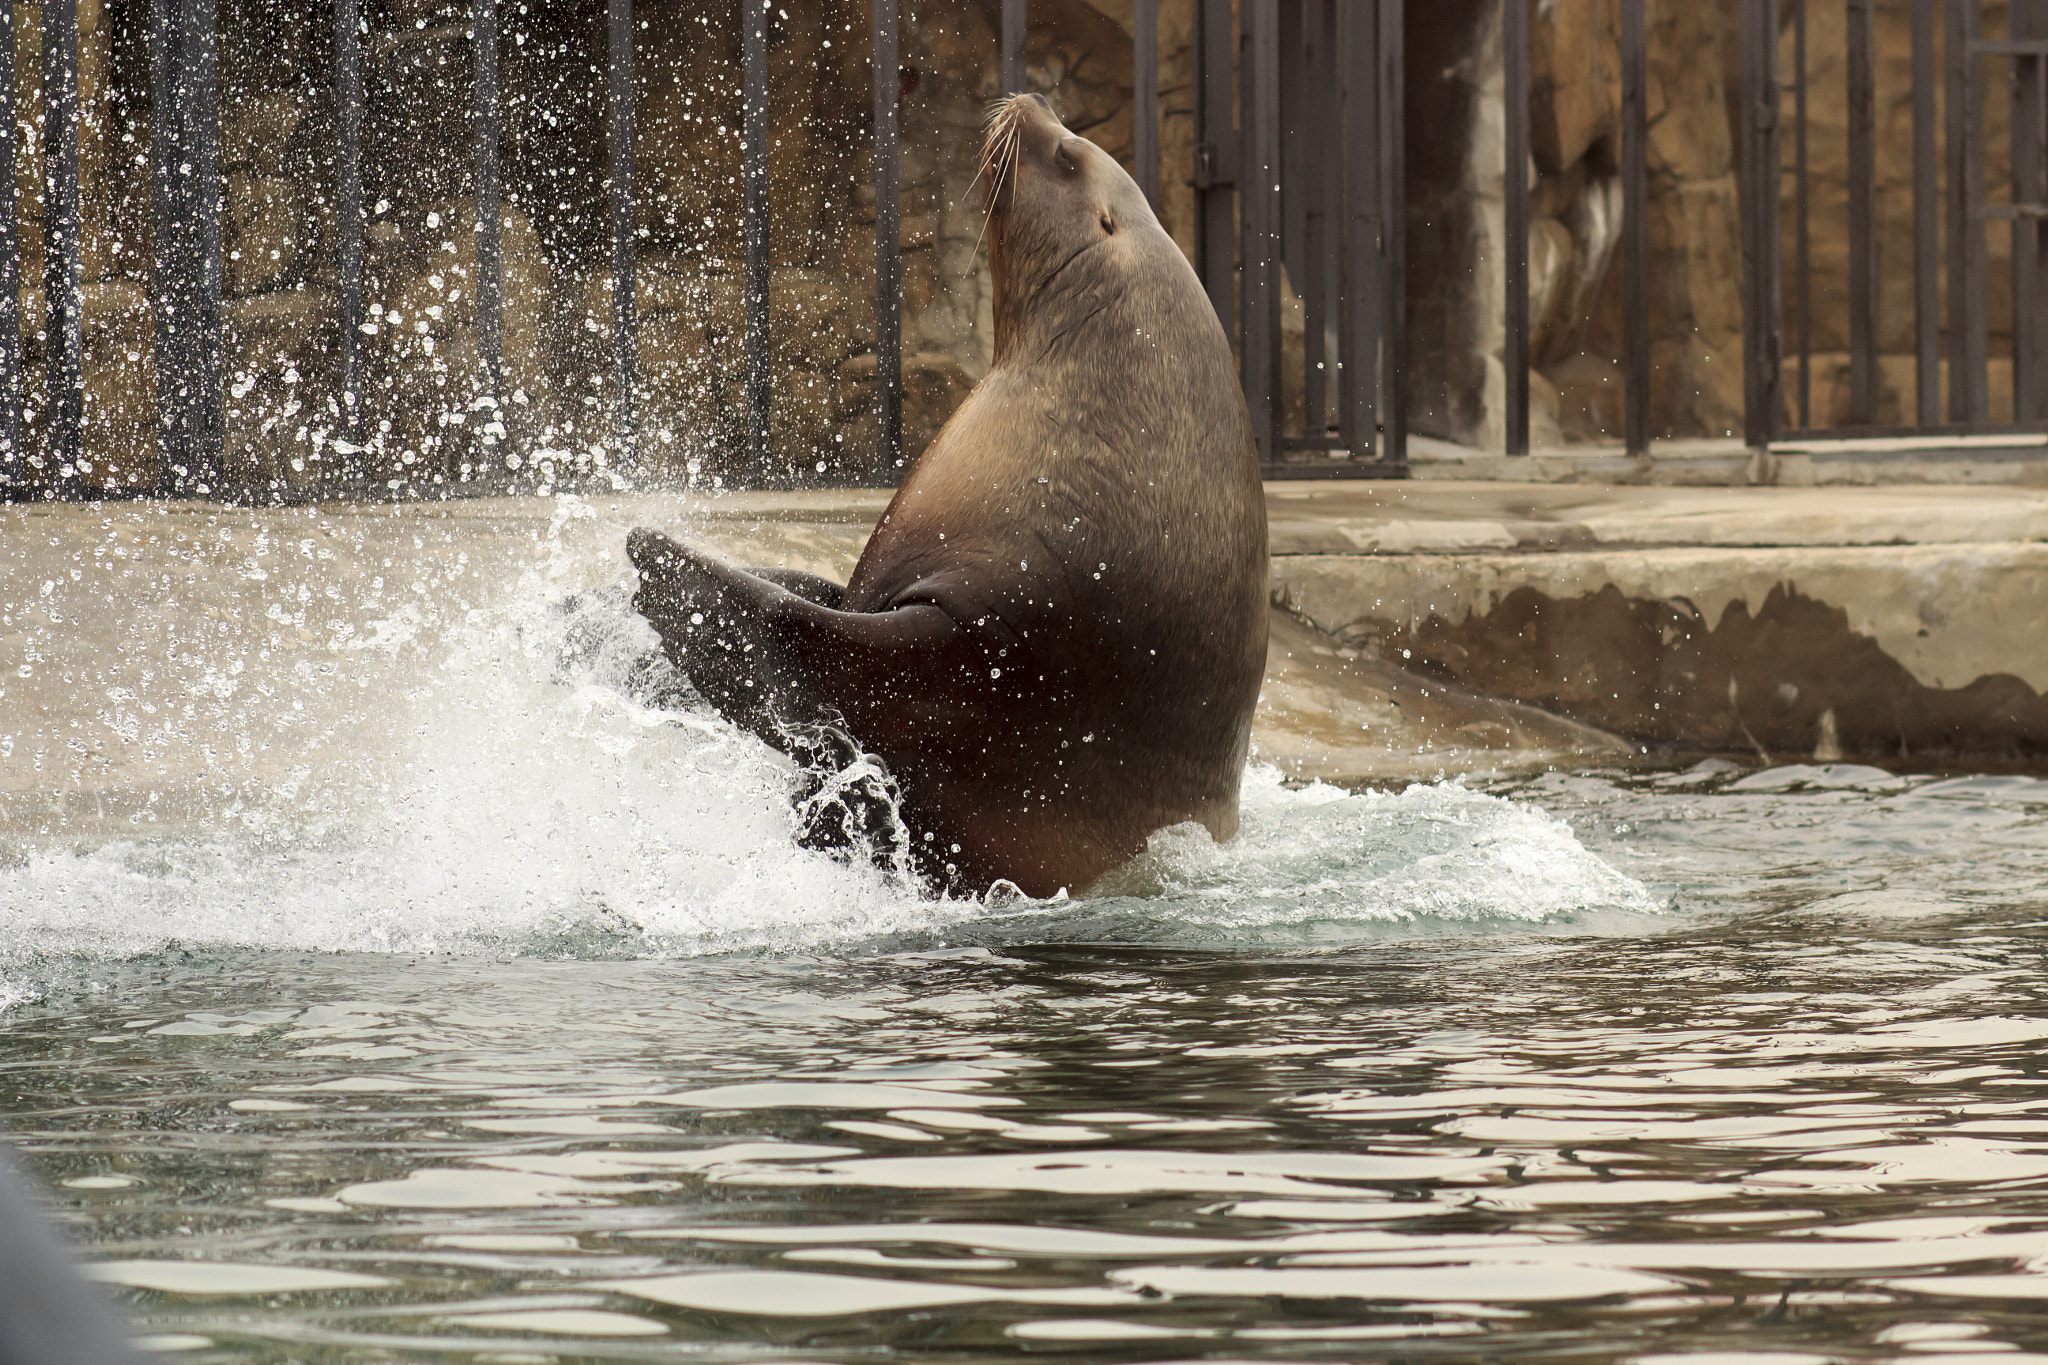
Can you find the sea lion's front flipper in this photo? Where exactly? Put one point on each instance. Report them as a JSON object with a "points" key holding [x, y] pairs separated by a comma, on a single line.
{"points": [[808, 586], [769, 658]]}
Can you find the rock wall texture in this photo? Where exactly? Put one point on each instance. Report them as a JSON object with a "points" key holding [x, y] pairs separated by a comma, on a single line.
{"points": [[280, 274], [280, 277]]}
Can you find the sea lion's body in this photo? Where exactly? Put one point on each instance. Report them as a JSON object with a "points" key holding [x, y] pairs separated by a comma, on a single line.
{"points": [[1055, 636]]}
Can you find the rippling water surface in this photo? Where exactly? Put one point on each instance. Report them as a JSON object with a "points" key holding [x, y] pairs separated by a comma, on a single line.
{"points": [[1779, 1093], [534, 1037]]}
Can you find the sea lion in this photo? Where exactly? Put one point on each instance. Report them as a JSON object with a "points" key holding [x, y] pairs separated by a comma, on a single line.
{"points": [[1054, 638]]}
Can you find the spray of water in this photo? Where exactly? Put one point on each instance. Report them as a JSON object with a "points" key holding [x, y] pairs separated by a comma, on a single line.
{"points": [[538, 782]]}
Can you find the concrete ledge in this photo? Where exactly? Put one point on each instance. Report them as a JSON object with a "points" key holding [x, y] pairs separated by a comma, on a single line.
{"points": [[1922, 651], [2007, 459], [1482, 517]]}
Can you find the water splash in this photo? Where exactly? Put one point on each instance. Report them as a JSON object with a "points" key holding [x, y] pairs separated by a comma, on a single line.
{"points": [[542, 786]]}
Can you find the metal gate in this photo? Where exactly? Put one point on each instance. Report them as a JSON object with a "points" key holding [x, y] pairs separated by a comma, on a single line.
{"points": [[1956, 200], [1297, 174], [1303, 194]]}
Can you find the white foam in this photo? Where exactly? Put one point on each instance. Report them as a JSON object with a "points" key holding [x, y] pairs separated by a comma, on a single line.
{"points": [[526, 805]]}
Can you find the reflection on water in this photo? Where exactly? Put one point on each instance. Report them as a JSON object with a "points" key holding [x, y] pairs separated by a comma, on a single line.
{"points": [[1788, 1105]]}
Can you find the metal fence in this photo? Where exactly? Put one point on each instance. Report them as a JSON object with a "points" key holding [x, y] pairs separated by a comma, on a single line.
{"points": [[1951, 194], [1298, 181]]}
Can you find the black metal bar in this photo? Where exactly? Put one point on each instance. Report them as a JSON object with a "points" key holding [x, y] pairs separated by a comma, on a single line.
{"points": [[888, 246], [2026, 180], [1361, 305], [1260, 199], [206, 188], [348, 212], [490, 265], [625, 313], [64, 347], [1309, 189], [1514, 351], [1635, 230], [1014, 32], [13, 465], [185, 277], [1296, 185], [1215, 168], [1760, 190], [1802, 233], [1145, 86], [754, 61], [1393, 126], [1969, 343], [2038, 141], [1926, 216], [1862, 214]]}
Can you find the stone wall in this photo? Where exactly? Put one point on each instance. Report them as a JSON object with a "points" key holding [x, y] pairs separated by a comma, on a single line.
{"points": [[280, 275], [1455, 222]]}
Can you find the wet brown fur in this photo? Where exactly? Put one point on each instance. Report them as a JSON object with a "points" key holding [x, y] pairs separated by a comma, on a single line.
{"points": [[1056, 634]]}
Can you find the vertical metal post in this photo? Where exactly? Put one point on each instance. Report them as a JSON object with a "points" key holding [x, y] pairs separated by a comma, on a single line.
{"points": [[64, 348], [1802, 235], [2037, 138], [185, 152], [1514, 355], [1393, 125], [1926, 213], [490, 265], [1015, 80], [1968, 344], [625, 317], [1260, 196], [1215, 157], [1362, 307], [1295, 177], [1760, 189], [1145, 84], [11, 461], [1311, 187], [348, 226], [1635, 230], [888, 247], [1862, 214], [2029, 373], [754, 81]]}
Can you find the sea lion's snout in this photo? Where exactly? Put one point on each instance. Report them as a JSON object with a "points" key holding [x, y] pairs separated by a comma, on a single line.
{"points": [[651, 551], [669, 595]]}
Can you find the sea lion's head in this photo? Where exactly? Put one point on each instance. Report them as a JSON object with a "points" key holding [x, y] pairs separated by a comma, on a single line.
{"points": [[1063, 216]]}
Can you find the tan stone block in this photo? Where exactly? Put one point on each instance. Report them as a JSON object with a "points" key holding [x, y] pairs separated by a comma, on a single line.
{"points": [[1829, 389], [262, 231], [1574, 80], [424, 368], [120, 448], [256, 130], [1590, 398], [934, 386], [280, 385]]}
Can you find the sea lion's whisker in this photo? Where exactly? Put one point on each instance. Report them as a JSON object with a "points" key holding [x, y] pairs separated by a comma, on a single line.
{"points": [[998, 157]]}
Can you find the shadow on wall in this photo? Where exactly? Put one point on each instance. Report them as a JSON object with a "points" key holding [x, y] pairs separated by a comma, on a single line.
{"points": [[1789, 679]]}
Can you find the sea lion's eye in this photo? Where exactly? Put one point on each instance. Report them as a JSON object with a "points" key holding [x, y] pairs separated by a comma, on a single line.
{"points": [[1108, 223]]}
